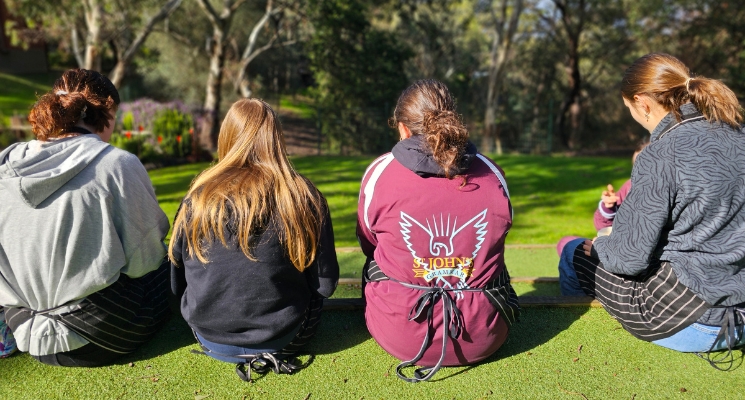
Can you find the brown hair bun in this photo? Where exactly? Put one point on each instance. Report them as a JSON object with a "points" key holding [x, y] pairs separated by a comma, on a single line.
{"points": [[77, 95], [427, 108]]}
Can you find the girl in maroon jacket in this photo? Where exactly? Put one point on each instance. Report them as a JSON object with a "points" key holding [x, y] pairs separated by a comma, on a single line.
{"points": [[432, 219]]}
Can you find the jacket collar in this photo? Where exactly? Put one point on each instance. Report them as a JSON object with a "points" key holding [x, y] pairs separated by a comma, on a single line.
{"points": [[687, 111], [414, 154]]}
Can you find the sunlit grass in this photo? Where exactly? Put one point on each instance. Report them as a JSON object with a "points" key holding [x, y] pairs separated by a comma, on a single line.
{"points": [[19, 92], [552, 196]]}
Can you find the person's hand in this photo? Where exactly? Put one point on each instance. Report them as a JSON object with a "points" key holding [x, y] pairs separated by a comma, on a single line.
{"points": [[587, 246], [609, 197]]}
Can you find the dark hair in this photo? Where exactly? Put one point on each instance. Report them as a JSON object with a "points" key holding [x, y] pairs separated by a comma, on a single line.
{"points": [[669, 82], [77, 94], [428, 109]]}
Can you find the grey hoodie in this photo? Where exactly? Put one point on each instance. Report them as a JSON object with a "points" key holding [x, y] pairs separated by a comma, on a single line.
{"points": [[74, 214]]}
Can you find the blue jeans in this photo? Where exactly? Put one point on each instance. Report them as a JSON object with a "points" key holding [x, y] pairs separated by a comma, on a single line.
{"points": [[694, 338], [699, 338], [227, 353], [568, 282]]}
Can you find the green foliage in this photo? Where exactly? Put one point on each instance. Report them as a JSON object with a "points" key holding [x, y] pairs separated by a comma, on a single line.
{"points": [[7, 138], [359, 72], [128, 121], [139, 145], [171, 128]]}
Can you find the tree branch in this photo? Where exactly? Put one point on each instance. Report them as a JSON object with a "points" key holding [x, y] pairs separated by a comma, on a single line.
{"points": [[211, 14], [117, 74]]}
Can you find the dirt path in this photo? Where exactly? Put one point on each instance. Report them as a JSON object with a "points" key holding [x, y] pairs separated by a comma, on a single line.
{"points": [[301, 135]]}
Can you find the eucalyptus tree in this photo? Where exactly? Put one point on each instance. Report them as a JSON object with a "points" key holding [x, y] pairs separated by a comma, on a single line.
{"points": [[120, 27], [359, 73], [501, 25], [222, 47]]}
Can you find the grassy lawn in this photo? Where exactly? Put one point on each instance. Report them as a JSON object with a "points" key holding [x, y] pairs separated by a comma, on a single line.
{"points": [[552, 196], [552, 353], [19, 92]]}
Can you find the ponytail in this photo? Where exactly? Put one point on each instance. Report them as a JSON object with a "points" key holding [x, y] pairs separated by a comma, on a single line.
{"points": [[446, 136], [427, 108], [78, 95], [715, 100], [668, 81]]}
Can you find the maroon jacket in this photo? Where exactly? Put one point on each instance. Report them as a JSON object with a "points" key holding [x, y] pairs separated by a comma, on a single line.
{"points": [[604, 216], [425, 229]]}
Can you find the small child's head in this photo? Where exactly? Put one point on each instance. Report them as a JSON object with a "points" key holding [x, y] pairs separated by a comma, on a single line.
{"points": [[639, 149]]}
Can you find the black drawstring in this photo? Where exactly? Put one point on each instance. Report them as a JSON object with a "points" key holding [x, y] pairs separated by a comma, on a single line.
{"points": [[728, 332], [452, 317], [452, 326], [261, 362]]}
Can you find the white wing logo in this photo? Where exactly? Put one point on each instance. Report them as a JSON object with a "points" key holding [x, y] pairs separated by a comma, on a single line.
{"points": [[436, 260]]}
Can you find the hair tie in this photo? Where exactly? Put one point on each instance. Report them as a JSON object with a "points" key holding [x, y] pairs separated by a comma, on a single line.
{"points": [[61, 92], [82, 113], [687, 81]]}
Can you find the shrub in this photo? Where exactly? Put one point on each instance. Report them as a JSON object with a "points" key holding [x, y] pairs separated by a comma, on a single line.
{"points": [[128, 121], [131, 143], [171, 129]]}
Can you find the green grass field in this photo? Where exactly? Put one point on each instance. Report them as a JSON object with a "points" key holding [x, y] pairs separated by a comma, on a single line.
{"points": [[552, 196], [572, 353], [19, 92], [552, 353]]}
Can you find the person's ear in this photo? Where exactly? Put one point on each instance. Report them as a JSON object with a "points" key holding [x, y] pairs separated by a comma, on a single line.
{"points": [[403, 131], [642, 102]]}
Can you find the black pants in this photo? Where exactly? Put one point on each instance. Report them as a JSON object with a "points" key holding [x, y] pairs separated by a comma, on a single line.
{"points": [[121, 317], [89, 355]]}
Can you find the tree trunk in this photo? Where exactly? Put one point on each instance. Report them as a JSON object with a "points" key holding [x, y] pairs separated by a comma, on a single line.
{"points": [[220, 25], [77, 51], [571, 106], [117, 74], [490, 115], [503, 35], [211, 127], [93, 14]]}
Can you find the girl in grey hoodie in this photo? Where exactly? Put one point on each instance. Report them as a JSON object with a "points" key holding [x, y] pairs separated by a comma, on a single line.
{"points": [[80, 232]]}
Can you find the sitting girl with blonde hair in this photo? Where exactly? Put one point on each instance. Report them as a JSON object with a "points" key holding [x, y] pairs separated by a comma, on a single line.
{"points": [[252, 251]]}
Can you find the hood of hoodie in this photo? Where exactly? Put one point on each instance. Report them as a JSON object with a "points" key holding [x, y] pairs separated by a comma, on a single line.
{"points": [[414, 154], [35, 170]]}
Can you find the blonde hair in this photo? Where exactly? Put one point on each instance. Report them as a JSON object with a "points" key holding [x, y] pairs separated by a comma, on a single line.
{"points": [[669, 82], [252, 186]]}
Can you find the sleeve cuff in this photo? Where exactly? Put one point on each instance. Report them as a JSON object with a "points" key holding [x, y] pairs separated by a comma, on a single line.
{"points": [[607, 213]]}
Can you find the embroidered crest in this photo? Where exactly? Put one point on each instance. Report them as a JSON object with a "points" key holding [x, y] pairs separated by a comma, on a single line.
{"points": [[432, 245]]}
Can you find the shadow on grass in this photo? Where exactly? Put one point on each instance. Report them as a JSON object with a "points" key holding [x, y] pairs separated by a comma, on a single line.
{"points": [[537, 325], [174, 335], [339, 330]]}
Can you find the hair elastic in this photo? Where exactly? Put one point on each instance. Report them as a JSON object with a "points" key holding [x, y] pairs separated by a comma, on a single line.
{"points": [[687, 81], [61, 92], [82, 114]]}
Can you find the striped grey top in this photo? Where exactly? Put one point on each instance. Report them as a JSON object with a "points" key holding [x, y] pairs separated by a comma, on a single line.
{"points": [[686, 206]]}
